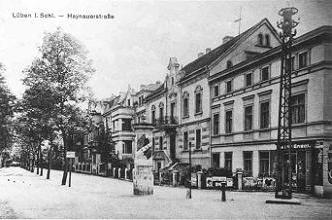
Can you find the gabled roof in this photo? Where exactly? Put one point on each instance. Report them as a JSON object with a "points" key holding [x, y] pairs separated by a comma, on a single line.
{"points": [[210, 57]]}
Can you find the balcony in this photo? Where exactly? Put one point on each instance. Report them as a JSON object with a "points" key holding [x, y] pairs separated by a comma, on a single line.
{"points": [[166, 123]]}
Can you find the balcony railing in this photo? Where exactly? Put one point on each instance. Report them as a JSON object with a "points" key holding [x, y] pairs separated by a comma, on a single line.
{"points": [[166, 122]]}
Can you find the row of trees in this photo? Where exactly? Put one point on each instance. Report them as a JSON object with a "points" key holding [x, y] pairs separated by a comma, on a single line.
{"points": [[7, 106], [55, 86]]}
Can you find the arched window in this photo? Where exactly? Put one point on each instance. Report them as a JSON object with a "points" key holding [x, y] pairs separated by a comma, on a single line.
{"points": [[185, 97], [161, 111], [260, 39], [229, 64], [198, 99], [267, 40]]}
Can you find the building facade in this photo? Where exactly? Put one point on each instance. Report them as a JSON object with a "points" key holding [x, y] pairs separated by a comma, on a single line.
{"points": [[246, 113]]}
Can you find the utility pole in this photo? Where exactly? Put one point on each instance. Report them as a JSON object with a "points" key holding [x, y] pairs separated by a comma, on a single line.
{"points": [[284, 141]]}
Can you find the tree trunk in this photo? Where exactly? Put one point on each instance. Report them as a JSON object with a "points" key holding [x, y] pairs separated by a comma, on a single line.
{"points": [[38, 161], [49, 163], [65, 168], [41, 163], [32, 165]]}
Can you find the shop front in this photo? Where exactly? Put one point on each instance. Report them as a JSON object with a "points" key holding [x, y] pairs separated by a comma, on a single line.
{"points": [[305, 164]]}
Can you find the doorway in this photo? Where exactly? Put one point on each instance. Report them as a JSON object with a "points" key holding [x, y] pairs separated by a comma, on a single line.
{"points": [[298, 168]]}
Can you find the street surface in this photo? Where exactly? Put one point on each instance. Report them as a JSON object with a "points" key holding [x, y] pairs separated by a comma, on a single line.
{"points": [[26, 195]]}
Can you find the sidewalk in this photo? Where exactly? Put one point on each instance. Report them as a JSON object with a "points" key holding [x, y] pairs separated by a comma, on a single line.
{"points": [[31, 196]]}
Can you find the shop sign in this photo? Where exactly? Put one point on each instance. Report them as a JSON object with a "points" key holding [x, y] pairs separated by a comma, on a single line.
{"points": [[297, 146]]}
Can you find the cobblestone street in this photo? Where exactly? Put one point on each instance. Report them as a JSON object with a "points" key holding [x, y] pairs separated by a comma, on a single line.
{"points": [[26, 195]]}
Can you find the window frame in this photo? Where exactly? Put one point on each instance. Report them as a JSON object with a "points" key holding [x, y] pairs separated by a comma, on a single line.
{"points": [[245, 117], [299, 105], [198, 106], [306, 60], [229, 82], [226, 160], [229, 125], [268, 73], [246, 79], [249, 172], [185, 100], [198, 146], [261, 116], [215, 129], [216, 90], [185, 140], [261, 161]]}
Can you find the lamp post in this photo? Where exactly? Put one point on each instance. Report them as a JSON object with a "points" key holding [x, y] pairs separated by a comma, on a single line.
{"points": [[284, 140], [189, 192]]}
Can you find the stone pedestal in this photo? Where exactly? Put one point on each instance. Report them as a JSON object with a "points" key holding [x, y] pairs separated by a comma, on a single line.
{"points": [[199, 179], [119, 173], [126, 176], [239, 179], [175, 174]]}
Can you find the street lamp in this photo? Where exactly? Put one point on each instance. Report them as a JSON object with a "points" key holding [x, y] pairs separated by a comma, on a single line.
{"points": [[189, 191], [284, 140]]}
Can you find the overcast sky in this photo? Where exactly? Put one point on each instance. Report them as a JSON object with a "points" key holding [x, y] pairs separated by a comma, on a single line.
{"points": [[135, 46]]}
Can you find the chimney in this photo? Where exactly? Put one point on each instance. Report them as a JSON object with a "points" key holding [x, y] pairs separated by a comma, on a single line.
{"points": [[208, 50], [200, 54], [226, 39]]}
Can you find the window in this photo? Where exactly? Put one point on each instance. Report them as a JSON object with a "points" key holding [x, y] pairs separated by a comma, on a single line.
{"points": [[247, 162], [267, 40], [172, 80], [153, 143], [229, 64], [185, 107], [126, 124], [128, 101], [248, 118], [216, 90], [265, 114], [153, 116], [228, 160], [198, 107], [229, 86], [185, 140], [248, 79], [127, 147], [160, 143], [198, 99], [303, 60], [229, 118], [292, 64], [298, 108], [216, 160], [198, 138], [161, 111], [264, 163], [216, 124], [265, 73], [260, 39]]}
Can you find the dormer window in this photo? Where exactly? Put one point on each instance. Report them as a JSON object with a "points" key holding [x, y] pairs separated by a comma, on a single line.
{"points": [[267, 40], [260, 39], [229, 64]]}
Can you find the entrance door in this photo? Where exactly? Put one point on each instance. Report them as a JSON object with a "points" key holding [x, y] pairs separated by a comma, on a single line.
{"points": [[172, 146], [297, 163]]}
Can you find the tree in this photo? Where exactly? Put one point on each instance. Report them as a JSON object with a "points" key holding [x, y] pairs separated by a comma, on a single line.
{"points": [[7, 104], [65, 69]]}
